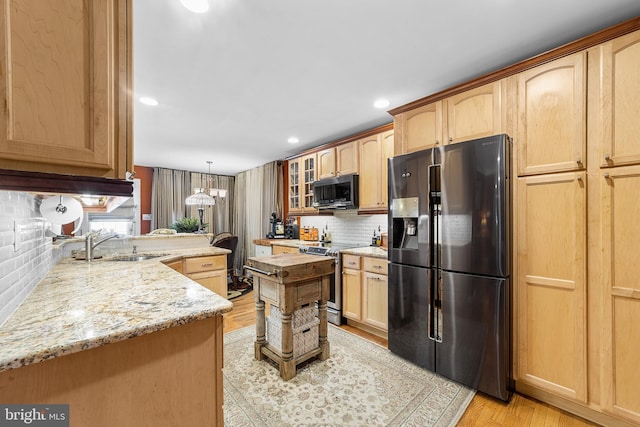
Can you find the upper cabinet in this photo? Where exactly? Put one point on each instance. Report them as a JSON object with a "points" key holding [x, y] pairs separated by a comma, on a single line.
{"points": [[551, 116], [472, 114], [374, 152], [620, 101], [65, 80], [336, 161], [301, 175], [418, 129]]}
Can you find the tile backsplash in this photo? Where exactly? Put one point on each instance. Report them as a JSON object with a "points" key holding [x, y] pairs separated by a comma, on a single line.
{"points": [[347, 226], [26, 254]]}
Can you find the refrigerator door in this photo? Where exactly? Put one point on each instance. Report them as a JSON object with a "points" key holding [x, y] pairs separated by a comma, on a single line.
{"points": [[409, 209], [408, 315], [475, 199], [475, 334]]}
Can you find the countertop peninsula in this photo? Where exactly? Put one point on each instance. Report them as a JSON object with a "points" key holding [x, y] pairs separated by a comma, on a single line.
{"points": [[78, 306]]}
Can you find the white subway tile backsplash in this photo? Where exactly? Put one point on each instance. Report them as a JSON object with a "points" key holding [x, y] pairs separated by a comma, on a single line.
{"points": [[21, 270], [348, 227]]}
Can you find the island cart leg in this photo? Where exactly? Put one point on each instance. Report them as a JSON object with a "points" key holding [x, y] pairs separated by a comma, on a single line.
{"points": [[323, 330], [288, 363], [261, 339]]}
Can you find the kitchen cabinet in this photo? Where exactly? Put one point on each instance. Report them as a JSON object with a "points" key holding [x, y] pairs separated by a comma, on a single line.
{"points": [[472, 114], [302, 174], [364, 292], [419, 129], [551, 116], [620, 101], [281, 249], [209, 271], [374, 152], [340, 160], [351, 287], [619, 209], [551, 287], [67, 103]]}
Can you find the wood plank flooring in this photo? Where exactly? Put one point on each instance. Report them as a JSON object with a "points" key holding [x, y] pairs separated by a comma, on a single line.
{"points": [[483, 411]]}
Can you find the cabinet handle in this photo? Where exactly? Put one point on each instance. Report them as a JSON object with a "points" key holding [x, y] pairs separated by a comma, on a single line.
{"points": [[606, 175], [607, 157], [379, 279], [207, 264], [579, 178], [579, 160], [450, 139], [437, 142], [377, 266]]}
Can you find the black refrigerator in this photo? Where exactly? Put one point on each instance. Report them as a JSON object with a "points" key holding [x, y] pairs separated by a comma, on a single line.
{"points": [[449, 253]]}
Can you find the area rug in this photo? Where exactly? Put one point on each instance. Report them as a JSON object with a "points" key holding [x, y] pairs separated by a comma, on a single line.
{"points": [[361, 384], [243, 285]]}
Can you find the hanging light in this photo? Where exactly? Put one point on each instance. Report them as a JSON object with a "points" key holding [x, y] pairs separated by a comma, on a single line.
{"points": [[202, 197]]}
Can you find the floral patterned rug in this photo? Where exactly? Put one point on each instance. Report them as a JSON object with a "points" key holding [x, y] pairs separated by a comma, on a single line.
{"points": [[361, 384]]}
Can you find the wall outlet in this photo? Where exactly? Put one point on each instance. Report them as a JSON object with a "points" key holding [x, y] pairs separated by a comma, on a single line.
{"points": [[147, 217]]}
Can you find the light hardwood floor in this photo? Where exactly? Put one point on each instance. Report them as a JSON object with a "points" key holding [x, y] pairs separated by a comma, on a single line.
{"points": [[483, 411]]}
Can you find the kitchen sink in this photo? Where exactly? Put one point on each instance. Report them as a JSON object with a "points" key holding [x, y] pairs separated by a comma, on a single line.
{"points": [[132, 257]]}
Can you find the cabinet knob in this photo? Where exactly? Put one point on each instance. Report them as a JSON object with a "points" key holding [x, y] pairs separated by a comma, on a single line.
{"points": [[450, 139], [437, 142], [606, 175], [607, 157], [579, 178], [579, 160]]}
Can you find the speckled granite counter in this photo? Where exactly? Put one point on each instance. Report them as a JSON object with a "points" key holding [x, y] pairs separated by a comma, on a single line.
{"points": [[371, 251], [79, 305]]}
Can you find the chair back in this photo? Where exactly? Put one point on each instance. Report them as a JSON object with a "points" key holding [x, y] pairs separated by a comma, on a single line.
{"points": [[228, 242]]}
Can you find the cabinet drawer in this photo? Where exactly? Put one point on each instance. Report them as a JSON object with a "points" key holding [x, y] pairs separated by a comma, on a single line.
{"points": [[376, 265], [205, 263], [308, 292], [351, 261]]}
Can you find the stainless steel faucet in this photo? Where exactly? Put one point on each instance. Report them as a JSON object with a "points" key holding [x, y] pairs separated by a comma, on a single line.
{"points": [[90, 245]]}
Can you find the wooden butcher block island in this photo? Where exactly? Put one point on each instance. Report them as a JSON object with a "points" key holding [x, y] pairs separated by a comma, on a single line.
{"points": [[292, 284]]}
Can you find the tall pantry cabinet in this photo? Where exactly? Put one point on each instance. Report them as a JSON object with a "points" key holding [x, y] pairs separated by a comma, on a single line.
{"points": [[65, 80]]}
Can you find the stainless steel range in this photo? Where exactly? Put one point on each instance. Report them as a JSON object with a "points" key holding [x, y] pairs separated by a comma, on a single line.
{"points": [[334, 304]]}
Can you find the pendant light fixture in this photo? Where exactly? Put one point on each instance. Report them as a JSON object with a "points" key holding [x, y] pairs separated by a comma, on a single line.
{"points": [[202, 197]]}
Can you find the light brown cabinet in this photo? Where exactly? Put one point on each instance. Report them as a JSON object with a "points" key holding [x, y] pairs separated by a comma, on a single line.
{"points": [[551, 116], [364, 292], [374, 152], [551, 302], [340, 160], [620, 101], [209, 271], [472, 114], [66, 87], [302, 174]]}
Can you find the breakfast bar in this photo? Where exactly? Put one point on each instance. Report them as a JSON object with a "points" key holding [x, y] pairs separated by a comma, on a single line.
{"points": [[290, 282]]}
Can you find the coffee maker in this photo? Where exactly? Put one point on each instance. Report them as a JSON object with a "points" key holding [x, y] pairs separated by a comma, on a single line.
{"points": [[276, 226]]}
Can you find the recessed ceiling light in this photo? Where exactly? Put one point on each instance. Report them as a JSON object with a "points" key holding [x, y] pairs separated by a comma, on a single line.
{"points": [[293, 140], [196, 6], [381, 103], [148, 101]]}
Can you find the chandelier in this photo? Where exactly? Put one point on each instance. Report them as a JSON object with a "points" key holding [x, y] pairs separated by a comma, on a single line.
{"points": [[202, 197]]}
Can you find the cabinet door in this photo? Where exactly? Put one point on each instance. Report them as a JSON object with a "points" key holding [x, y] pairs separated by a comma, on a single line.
{"points": [[475, 113], [327, 163], [347, 158], [351, 294], [551, 283], [369, 183], [277, 249], [215, 281], [551, 116], [294, 186], [307, 178], [375, 306], [63, 80], [620, 210], [387, 141], [420, 128], [620, 101]]}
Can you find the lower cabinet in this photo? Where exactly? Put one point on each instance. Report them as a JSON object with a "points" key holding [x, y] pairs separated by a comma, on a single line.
{"points": [[209, 271], [364, 292], [277, 249]]}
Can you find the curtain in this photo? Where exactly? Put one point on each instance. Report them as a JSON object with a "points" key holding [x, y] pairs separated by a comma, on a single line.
{"points": [[259, 192], [169, 189]]}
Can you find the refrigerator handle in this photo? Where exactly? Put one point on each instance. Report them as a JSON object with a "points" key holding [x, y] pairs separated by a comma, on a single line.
{"points": [[432, 307]]}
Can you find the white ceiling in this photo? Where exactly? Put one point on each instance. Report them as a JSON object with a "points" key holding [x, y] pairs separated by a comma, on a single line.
{"points": [[234, 83]]}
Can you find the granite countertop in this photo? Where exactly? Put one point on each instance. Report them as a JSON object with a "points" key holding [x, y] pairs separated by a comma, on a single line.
{"points": [[370, 251], [286, 242], [80, 305]]}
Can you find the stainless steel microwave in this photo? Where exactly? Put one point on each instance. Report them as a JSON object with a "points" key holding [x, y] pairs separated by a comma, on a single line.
{"points": [[340, 192]]}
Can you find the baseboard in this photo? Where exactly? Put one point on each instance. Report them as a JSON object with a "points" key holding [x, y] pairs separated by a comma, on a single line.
{"points": [[588, 413], [370, 329]]}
